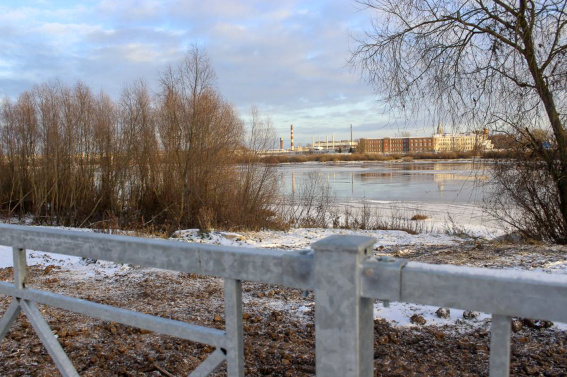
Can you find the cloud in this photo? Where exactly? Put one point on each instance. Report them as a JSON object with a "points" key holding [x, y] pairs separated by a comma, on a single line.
{"points": [[288, 57], [131, 10]]}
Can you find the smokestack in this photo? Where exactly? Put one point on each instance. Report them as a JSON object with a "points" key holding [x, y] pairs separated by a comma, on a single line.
{"points": [[312, 142], [292, 147], [281, 143], [351, 135], [333, 145]]}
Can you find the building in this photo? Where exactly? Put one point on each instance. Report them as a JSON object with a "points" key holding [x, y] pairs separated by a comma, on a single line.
{"points": [[334, 145], [397, 145], [472, 141], [440, 142]]}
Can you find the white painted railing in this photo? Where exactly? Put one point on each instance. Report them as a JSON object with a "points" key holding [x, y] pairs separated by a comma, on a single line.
{"points": [[341, 270]]}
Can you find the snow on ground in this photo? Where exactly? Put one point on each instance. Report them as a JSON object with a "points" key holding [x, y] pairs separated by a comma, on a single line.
{"points": [[399, 314], [76, 265], [396, 313], [441, 218], [302, 238]]}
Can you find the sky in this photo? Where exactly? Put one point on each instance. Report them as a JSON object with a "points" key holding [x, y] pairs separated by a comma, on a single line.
{"points": [[287, 57]]}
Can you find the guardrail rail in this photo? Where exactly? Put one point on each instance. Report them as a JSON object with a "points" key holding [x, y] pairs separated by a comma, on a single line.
{"points": [[341, 270]]}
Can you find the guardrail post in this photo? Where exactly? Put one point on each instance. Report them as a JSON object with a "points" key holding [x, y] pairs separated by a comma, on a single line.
{"points": [[233, 315], [500, 338], [344, 322], [20, 267]]}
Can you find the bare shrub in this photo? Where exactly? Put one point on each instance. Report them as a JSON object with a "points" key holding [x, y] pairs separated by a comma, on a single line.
{"points": [[298, 158], [400, 223], [452, 228], [206, 218], [285, 158], [526, 198], [196, 128], [419, 216], [368, 217], [139, 144], [312, 205], [257, 180], [163, 162]]}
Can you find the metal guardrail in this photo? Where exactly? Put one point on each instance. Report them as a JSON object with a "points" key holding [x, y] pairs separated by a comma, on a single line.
{"points": [[341, 270]]}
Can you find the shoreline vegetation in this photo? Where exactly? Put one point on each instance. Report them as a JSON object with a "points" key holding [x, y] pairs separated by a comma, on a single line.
{"points": [[361, 157], [163, 160]]}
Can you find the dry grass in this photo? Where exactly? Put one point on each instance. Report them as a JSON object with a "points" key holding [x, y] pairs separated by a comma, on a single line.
{"points": [[419, 216], [280, 159], [346, 157]]}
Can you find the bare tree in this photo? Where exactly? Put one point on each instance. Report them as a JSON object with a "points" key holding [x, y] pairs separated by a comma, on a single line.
{"points": [[106, 146], [499, 63], [139, 144], [20, 142], [258, 181], [200, 133], [176, 159]]}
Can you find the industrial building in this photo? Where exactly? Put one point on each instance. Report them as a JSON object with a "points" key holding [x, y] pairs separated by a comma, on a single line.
{"points": [[334, 145], [439, 142], [328, 146]]}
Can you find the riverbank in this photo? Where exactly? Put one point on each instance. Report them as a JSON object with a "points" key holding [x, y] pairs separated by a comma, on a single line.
{"points": [[346, 157]]}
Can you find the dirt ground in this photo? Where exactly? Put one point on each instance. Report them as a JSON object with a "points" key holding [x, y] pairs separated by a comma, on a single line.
{"points": [[278, 341]]}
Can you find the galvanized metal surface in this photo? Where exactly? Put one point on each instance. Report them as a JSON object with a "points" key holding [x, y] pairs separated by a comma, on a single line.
{"points": [[20, 267], [512, 293], [388, 278], [500, 339], [9, 317], [341, 270], [273, 266], [20, 273], [109, 313], [233, 322], [48, 339], [343, 319], [211, 364]]}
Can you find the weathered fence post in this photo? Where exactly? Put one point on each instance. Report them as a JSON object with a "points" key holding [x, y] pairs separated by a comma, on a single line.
{"points": [[344, 326]]}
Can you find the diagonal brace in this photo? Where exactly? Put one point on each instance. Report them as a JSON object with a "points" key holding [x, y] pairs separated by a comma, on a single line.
{"points": [[48, 339], [210, 364], [9, 317]]}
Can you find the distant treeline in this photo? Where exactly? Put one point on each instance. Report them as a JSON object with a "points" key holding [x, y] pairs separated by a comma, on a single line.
{"points": [[72, 157]]}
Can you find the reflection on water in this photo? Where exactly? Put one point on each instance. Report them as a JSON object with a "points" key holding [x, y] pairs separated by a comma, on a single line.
{"points": [[463, 182]]}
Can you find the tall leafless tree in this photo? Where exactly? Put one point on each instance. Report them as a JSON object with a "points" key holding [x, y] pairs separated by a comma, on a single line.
{"points": [[258, 181], [200, 133], [171, 160], [475, 62]]}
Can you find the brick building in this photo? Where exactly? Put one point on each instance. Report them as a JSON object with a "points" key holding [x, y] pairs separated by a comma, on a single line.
{"points": [[397, 145], [440, 142]]}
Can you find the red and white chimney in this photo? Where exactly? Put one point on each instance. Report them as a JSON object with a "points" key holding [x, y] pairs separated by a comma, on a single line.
{"points": [[292, 147]]}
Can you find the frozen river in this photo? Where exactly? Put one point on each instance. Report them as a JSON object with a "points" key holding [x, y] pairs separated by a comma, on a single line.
{"points": [[421, 181], [445, 191]]}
